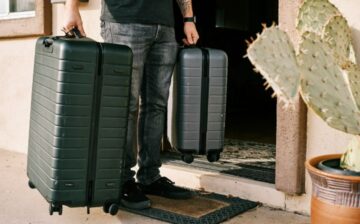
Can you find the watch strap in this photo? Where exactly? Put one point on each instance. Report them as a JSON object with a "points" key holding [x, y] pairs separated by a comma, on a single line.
{"points": [[190, 19]]}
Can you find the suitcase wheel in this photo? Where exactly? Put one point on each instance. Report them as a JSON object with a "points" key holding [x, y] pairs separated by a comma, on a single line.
{"points": [[187, 158], [55, 208], [213, 156], [31, 185], [111, 208]]}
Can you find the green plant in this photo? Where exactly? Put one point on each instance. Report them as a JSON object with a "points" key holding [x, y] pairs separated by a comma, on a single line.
{"points": [[322, 68]]}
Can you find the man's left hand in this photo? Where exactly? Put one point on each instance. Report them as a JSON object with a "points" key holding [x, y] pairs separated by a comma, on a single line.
{"points": [[191, 34]]}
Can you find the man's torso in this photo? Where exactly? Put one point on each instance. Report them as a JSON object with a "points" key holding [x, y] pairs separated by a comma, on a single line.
{"points": [[138, 11]]}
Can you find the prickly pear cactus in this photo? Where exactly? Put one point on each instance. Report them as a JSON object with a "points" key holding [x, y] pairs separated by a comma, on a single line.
{"points": [[325, 87], [325, 65], [314, 14], [273, 55]]}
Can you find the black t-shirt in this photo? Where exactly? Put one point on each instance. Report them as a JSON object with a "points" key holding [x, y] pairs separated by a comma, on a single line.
{"points": [[138, 11]]}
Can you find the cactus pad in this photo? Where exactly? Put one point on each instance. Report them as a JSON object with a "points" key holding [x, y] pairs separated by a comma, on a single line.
{"points": [[353, 72], [273, 55], [325, 87], [314, 14], [337, 34], [352, 55], [351, 159]]}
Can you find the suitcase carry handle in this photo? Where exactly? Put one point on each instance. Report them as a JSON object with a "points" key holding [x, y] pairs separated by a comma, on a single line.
{"points": [[190, 46], [73, 33]]}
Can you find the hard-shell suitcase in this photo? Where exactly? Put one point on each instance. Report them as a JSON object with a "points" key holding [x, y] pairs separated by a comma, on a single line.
{"points": [[79, 111], [199, 103]]}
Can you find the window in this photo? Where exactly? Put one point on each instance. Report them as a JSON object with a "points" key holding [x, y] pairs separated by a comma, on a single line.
{"points": [[24, 18], [10, 9]]}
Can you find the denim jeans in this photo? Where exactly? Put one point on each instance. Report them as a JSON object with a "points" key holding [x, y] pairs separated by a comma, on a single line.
{"points": [[154, 55]]}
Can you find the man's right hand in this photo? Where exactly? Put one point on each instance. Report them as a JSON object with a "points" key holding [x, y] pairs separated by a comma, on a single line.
{"points": [[72, 17]]}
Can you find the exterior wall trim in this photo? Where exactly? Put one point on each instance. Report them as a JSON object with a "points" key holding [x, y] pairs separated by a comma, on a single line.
{"points": [[291, 123], [32, 26]]}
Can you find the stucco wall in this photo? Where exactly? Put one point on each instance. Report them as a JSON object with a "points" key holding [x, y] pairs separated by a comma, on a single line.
{"points": [[16, 63]]}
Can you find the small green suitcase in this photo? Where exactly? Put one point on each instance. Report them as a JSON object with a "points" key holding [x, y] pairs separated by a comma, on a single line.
{"points": [[79, 113], [199, 103]]}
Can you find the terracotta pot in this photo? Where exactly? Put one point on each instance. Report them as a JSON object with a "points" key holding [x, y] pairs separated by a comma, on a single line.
{"points": [[335, 198]]}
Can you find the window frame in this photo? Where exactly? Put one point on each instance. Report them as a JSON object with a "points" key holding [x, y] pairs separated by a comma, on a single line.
{"points": [[18, 15], [22, 24]]}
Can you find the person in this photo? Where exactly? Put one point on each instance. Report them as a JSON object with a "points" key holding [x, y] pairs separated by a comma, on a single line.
{"points": [[147, 27]]}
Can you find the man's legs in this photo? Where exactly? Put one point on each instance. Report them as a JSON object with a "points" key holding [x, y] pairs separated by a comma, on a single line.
{"points": [[154, 97], [154, 55], [139, 38]]}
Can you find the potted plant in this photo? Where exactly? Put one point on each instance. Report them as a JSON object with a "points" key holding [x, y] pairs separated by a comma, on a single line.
{"points": [[323, 69]]}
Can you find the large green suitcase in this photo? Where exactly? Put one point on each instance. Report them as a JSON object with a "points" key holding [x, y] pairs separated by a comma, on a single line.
{"points": [[78, 126]]}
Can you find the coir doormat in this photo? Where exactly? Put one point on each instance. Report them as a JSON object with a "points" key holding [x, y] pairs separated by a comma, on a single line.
{"points": [[209, 208]]}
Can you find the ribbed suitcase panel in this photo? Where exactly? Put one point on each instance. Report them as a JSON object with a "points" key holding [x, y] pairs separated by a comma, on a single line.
{"points": [[60, 120], [217, 100], [113, 118], [187, 100], [187, 84]]}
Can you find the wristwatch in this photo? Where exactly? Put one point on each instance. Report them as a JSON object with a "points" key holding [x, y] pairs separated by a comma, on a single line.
{"points": [[190, 19]]}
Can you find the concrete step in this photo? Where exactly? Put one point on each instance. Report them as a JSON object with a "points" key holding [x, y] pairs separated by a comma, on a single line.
{"points": [[225, 184]]}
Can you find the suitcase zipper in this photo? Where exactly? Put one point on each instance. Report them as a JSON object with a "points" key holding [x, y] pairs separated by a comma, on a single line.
{"points": [[204, 100], [91, 172]]}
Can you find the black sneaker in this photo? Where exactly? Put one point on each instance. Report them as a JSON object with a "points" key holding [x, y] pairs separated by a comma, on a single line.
{"points": [[133, 197], [166, 188]]}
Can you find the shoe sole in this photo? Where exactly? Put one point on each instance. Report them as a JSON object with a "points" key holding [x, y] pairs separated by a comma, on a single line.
{"points": [[136, 205]]}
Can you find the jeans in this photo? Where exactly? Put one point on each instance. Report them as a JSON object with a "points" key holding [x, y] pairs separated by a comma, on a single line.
{"points": [[154, 55]]}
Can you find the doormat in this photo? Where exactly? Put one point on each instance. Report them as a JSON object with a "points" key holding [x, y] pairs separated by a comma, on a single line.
{"points": [[209, 208]]}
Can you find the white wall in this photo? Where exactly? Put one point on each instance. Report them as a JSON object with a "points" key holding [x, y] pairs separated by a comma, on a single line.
{"points": [[16, 63]]}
